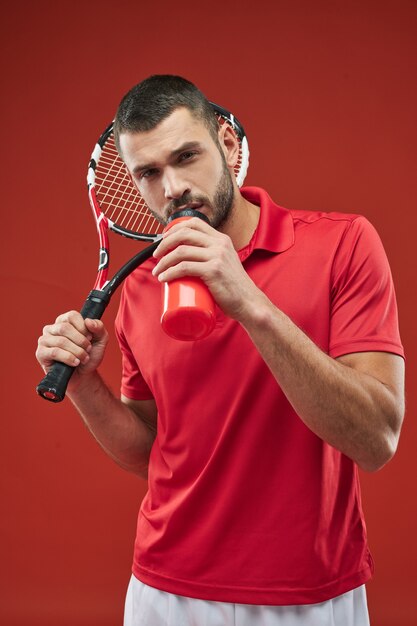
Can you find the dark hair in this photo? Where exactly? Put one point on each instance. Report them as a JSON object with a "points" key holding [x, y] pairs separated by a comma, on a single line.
{"points": [[155, 98]]}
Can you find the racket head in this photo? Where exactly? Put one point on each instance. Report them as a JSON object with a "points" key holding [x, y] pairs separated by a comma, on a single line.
{"points": [[116, 202]]}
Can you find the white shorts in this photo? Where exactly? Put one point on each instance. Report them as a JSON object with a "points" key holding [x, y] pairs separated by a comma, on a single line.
{"points": [[146, 606]]}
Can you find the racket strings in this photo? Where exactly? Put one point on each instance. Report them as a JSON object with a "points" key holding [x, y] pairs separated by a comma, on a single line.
{"points": [[118, 198]]}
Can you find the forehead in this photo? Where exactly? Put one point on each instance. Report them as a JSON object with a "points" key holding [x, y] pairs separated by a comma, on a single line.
{"points": [[179, 128]]}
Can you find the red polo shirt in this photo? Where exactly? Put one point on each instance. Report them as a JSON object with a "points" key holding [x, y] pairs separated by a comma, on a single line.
{"points": [[245, 503]]}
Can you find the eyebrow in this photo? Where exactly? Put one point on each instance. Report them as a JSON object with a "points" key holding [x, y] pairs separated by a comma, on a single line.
{"points": [[188, 145]]}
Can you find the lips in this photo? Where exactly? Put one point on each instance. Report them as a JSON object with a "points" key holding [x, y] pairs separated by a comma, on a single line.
{"points": [[193, 206], [190, 206]]}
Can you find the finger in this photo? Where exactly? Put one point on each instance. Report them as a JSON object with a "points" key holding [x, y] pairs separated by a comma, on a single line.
{"points": [[185, 236], [185, 269], [179, 254], [97, 330], [70, 354], [75, 319], [78, 348], [72, 317], [66, 330]]}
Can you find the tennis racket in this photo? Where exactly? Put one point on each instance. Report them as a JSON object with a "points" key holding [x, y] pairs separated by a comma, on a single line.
{"points": [[118, 207]]}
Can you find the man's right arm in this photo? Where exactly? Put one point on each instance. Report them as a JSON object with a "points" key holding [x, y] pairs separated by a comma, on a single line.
{"points": [[124, 428]]}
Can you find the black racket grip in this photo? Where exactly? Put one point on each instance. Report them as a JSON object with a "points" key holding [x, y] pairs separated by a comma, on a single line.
{"points": [[54, 385]]}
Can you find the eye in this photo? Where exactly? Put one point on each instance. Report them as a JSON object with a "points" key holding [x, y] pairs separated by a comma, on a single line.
{"points": [[147, 173], [187, 156]]}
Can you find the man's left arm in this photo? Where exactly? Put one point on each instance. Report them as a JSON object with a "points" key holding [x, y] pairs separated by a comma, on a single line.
{"points": [[355, 402]]}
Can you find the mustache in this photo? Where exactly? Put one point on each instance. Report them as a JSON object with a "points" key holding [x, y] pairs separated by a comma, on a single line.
{"points": [[186, 198]]}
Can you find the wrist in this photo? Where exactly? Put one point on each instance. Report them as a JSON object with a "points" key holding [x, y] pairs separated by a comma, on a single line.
{"points": [[256, 313], [82, 383]]}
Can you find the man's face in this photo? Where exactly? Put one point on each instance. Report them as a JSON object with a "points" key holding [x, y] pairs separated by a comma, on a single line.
{"points": [[178, 165]]}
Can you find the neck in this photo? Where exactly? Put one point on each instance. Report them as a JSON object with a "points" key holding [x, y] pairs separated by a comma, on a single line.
{"points": [[242, 222]]}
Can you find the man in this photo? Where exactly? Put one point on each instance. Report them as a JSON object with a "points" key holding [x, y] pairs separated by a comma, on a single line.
{"points": [[250, 438]]}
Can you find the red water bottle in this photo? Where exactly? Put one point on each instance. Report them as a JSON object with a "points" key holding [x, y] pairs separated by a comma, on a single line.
{"points": [[188, 307]]}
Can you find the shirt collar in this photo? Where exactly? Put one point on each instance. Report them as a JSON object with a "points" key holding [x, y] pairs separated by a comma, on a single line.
{"points": [[275, 230]]}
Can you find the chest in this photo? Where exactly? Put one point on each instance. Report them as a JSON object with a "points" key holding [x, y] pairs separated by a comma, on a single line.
{"points": [[297, 284]]}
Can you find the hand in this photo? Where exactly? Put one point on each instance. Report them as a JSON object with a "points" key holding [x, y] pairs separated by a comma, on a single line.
{"points": [[74, 341], [194, 248]]}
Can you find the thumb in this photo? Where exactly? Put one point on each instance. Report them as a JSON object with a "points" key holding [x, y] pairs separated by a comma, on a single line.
{"points": [[97, 330]]}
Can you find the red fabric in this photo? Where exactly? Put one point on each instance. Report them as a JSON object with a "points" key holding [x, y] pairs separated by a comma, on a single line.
{"points": [[245, 503]]}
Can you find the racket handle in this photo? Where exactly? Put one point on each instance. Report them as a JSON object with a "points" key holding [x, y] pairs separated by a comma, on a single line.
{"points": [[54, 385]]}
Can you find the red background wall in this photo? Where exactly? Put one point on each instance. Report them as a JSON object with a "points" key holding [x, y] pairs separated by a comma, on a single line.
{"points": [[327, 93]]}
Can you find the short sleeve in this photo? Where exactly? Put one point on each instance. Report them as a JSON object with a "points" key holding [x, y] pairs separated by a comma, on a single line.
{"points": [[133, 385], [363, 305]]}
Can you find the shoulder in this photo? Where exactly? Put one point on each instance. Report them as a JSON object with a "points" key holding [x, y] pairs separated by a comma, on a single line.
{"points": [[346, 230], [323, 218]]}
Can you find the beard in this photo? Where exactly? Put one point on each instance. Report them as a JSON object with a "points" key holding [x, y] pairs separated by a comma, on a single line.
{"points": [[223, 199], [220, 205]]}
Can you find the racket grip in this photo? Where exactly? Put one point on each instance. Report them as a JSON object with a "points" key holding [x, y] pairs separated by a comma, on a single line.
{"points": [[54, 385]]}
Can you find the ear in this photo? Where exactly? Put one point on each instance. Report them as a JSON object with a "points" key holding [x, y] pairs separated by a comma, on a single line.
{"points": [[229, 144]]}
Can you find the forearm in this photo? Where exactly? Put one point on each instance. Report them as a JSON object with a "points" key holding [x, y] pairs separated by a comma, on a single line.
{"points": [[120, 432], [351, 410]]}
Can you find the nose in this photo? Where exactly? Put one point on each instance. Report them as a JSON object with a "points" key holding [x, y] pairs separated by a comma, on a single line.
{"points": [[175, 185]]}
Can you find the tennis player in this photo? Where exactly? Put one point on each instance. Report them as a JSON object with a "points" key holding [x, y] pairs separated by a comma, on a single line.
{"points": [[251, 438]]}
